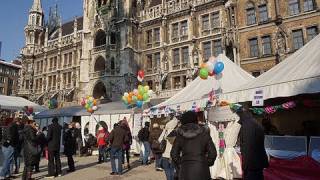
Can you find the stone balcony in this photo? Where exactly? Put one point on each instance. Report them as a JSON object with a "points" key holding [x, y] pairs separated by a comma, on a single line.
{"points": [[99, 48]]}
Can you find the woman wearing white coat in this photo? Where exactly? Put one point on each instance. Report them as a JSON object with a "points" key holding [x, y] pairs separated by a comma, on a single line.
{"points": [[167, 164]]}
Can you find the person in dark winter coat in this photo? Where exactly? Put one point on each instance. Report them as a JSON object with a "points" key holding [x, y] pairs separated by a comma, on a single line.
{"points": [[54, 140], [70, 145], [126, 146], [42, 142], [143, 136], [254, 156], [31, 149], [193, 151], [155, 145], [117, 138]]}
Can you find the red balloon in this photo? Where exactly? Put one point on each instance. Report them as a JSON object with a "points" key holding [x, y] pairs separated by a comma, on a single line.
{"points": [[211, 73], [141, 74]]}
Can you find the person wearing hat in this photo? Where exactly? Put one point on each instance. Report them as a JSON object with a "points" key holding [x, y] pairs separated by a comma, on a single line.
{"points": [[143, 136], [102, 135], [155, 145], [193, 151]]}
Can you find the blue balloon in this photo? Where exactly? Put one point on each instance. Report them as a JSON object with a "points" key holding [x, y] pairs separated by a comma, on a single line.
{"points": [[218, 67], [139, 104]]}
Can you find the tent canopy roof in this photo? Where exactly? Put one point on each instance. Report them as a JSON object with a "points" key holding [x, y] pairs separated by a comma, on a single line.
{"points": [[297, 74], [108, 108], [197, 91], [18, 103]]}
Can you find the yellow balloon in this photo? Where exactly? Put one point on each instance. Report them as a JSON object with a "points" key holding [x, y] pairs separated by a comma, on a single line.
{"points": [[146, 88]]}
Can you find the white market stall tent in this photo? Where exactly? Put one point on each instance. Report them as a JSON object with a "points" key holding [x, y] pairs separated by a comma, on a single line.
{"points": [[197, 92], [18, 103], [297, 74]]}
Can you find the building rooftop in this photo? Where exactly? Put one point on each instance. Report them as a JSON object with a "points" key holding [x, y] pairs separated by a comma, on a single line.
{"points": [[67, 28], [9, 64]]}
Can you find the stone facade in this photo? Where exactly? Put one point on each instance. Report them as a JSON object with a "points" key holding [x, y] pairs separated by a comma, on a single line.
{"points": [[9, 76], [278, 20], [100, 53]]}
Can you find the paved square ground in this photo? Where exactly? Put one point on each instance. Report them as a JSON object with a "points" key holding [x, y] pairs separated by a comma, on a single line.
{"points": [[88, 169]]}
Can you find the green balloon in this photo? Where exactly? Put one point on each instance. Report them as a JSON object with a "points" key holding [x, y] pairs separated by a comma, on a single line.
{"points": [[134, 99], [203, 73], [141, 90], [145, 97]]}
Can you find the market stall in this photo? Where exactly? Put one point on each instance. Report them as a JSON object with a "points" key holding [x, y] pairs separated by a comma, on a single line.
{"points": [[18, 104]]}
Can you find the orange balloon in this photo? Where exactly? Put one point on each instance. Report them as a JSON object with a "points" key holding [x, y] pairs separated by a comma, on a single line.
{"points": [[203, 65], [129, 100], [131, 94], [90, 110], [140, 97], [94, 102]]}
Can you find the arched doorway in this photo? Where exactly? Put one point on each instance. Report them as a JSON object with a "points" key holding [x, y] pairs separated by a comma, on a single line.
{"points": [[99, 91], [100, 64], [100, 38]]}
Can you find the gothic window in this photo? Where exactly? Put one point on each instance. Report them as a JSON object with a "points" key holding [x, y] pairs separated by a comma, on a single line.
{"points": [[69, 78], [251, 14], [254, 49], [113, 38], [184, 29], [113, 64], [100, 64], [157, 59], [266, 45], [309, 5], [206, 50], [215, 20], [256, 73], [156, 35], [263, 13], [100, 38], [217, 47], [175, 30], [33, 20], [205, 22], [176, 56], [312, 32], [150, 84], [27, 84], [149, 38], [185, 55], [176, 82], [294, 7], [297, 39], [38, 21], [149, 62]]}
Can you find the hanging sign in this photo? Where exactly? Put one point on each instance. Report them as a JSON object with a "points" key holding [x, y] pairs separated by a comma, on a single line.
{"points": [[257, 98]]}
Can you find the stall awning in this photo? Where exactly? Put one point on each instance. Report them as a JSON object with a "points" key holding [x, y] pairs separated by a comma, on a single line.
{"points": [[103, 109], [18, 103], [297, 74]]}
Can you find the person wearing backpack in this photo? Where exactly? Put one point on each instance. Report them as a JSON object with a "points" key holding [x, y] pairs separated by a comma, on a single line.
{"points": [[143, 136], [155, 145]]}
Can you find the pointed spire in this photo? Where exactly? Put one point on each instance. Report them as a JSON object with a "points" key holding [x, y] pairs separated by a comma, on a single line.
{"points": [[37, 6]]}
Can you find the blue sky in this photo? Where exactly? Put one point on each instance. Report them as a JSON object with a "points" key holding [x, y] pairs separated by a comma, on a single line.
{"points": [[14, 15]]}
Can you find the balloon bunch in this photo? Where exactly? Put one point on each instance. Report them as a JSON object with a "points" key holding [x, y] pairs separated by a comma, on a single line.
{"points": [[140, 76], [137, 96], [211, 68], [28, 110], [89, 103], [52, 103]]}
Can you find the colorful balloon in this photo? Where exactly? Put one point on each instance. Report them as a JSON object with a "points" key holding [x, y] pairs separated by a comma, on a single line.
{"points": [[141, 74], [218, 67], [139, 104], [145, 97], [141, 90], [135, 92], [140, 97], [211, 73], [126, 94], [129, 100], [150, 93], [94, 108], [94, 102], [212, 59], [140, 79], [90, 110], [134, 99], [210, 66], [203, 65], [146, 88], [203, 73]]}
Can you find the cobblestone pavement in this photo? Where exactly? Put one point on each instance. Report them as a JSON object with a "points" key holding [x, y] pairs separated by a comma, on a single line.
{"points": [[88, 169]]}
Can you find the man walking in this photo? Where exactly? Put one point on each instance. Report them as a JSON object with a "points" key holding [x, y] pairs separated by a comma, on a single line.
{"points": [[118, 137], [254, 157], [143, 136], [54, 140], [7, 151], [70, 145]]}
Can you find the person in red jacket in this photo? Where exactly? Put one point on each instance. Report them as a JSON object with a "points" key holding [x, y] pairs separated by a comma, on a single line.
{"points": [[102, 135]]}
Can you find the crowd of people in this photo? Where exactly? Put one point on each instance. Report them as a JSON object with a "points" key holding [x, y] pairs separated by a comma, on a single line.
{"points": [[182, 148]]}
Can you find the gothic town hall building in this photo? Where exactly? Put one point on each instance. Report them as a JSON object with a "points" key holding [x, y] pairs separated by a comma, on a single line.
{"points": [[100, 53]]}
